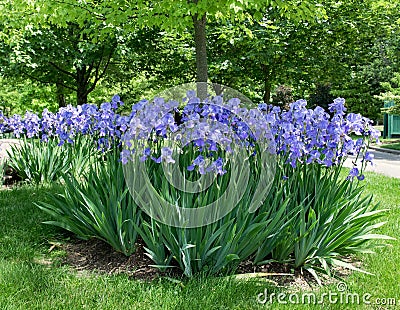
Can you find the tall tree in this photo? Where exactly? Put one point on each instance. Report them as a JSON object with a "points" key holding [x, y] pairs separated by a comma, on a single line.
{"points": [[301, 54], [166, 14], [374, 59], [68, 54], [64, 57]]}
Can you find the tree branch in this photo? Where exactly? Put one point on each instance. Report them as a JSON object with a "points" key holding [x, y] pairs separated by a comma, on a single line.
{"points": [[48, 82], [88, 72], [101, 75], [62, 70]]}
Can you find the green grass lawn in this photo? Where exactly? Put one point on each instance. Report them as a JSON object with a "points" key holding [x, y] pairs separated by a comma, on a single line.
{"points": [[392, 146], [32, 278], [392, 143]]}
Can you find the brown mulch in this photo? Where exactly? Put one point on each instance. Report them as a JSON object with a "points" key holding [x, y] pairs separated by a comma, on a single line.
{"points": [[97, 256]]}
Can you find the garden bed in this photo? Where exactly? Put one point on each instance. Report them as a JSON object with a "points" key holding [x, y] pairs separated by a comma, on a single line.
{"points": [[86, 256], [32, 278], [173, 197]]}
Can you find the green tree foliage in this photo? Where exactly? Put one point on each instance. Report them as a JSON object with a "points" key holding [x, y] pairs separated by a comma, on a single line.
{"points": [[152, 61], [374, 60], [301, 54], [18, 95], [392, 93], [64, 57], [168, 14], [274, 53], [253, 46]]}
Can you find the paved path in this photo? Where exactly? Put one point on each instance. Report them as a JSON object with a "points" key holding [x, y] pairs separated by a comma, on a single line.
{"points": [[384, 163], [5, 145]]}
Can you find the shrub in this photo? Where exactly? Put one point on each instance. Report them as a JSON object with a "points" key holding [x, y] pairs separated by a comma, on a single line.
{"points": [[283, 97], [321, 97]]}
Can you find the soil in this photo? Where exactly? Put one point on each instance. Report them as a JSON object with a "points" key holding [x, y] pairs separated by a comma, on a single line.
{"points": [[99, 257], [96, 255]]}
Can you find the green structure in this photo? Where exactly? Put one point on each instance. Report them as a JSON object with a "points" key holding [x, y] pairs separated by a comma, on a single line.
{"points": [[391, 123]]}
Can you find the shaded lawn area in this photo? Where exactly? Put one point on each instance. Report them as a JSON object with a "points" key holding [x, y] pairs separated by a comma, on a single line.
{"points": [[31, 277]]}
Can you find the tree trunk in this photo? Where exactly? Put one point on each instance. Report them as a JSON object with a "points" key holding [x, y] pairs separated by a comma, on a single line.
{"points": [[267, 83], [81, 95], [81, 86], [201, 54], [60, 95], [267, 91]]}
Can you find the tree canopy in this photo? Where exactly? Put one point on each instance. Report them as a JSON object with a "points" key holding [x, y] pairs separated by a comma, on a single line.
{"points": [[315, 49]]}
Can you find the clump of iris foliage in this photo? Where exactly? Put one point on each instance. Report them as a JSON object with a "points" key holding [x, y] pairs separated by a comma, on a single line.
{"points": [[310, 218]]}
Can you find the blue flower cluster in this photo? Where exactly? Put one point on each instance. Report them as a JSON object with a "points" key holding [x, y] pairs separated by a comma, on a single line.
{"points": [[103, 123], [299, 135], [312, 135], [208, 126]]}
